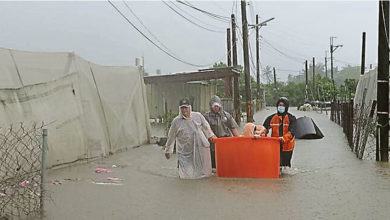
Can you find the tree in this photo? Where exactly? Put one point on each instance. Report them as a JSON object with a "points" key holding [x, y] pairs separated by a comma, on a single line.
{"points": [[267, 74], [219, 83], [294, 88]]}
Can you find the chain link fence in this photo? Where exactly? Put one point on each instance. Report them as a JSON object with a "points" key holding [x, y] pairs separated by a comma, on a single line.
{"points": [[22, 150], [359, 125], [365, 132]]}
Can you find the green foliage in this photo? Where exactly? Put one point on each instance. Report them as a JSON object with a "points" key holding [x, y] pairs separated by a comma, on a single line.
{"points": [[294, 88], [220, 64], [347, 91], [295, 93], [168, 118]]}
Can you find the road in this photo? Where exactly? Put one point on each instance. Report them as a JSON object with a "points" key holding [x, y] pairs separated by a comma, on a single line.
{"points": [[327, 182]]}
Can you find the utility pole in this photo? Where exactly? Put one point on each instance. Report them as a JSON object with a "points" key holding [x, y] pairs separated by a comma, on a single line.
{"points": [[306, 85], [314, 78], [236, 98], [326, 63], [331, 62], [257, 61], [276, 86], [258, 26], [333, 48], [276, 93], [249, 109], [362, 66], [228, 80], [383, 83], [229, 47]]}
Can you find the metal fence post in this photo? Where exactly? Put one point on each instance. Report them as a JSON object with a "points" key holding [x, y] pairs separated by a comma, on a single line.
{"points": [[350, 124], [331, 111], [338, 112], [43, 170]]}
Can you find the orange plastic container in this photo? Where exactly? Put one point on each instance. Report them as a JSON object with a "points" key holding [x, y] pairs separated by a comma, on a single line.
{"points": [[246, 157]]}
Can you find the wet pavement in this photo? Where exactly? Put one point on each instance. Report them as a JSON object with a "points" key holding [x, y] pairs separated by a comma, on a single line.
{"points": [[327, 181]]}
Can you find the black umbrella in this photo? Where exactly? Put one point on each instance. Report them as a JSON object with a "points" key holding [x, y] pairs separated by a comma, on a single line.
{"points": [[307, 129]]}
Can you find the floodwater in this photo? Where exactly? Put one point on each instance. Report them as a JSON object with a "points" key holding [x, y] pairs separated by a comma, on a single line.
{"points": [[327, 181]]}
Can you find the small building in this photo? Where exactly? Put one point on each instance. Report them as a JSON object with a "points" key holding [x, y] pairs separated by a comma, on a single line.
{"points": [[165, 91], [165, 97]]}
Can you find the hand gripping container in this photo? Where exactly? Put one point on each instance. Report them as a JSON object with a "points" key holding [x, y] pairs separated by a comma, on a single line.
{"points": [[247, 157]]}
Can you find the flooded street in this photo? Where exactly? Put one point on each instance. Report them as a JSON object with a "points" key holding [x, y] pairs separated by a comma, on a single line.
{"points": [[327, 181]]}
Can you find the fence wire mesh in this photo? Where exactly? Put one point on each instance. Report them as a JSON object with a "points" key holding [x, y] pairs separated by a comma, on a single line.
{"points": [[20, 170], [365, 132], [359, 125]]}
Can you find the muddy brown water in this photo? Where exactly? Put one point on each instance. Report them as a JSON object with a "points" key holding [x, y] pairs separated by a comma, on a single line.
{"points": [[326, 182]]}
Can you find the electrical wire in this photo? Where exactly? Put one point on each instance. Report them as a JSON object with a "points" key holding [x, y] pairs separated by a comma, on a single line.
{"points": [[212, 15], [147, 38], [147, 29], [297, 55], [193, 17], [295, 59], [189, 20]]}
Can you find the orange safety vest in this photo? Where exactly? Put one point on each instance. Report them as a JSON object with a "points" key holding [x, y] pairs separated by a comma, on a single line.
{"points": [[288, 139]]}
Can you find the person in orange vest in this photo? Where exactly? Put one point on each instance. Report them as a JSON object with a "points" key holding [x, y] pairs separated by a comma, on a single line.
{"points": [[282, 124]]}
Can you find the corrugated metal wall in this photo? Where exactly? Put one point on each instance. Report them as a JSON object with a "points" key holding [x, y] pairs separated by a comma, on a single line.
{"points": [[199, 94]]}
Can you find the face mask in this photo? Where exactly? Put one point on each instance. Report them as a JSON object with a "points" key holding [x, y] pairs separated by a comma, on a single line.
{"points": [[281, 109]]}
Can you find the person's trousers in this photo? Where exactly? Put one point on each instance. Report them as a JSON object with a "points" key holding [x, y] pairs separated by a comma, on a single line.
{"points": [[285, 157], [212, 152]]}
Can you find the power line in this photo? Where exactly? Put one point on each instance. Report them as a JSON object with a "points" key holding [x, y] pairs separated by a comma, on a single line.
{"points": [[147, 29], [147, 38], [252, 65], [282, 53], [233, 5], [298, 55], [251, 56], [189, 20], [304, 38], [220, 8], [290, 37], [251, 11], [204, 11], [215, 27], [267, 49], [213, 15]]}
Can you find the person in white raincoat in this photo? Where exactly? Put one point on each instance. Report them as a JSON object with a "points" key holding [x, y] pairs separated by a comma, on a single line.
{"points": [[190, 131]]}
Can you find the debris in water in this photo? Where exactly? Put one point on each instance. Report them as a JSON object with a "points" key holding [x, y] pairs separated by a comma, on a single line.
{"points": [[113, 179], [24, 183], [102, 170], [56, 182], [70, 179], [104, 183]]}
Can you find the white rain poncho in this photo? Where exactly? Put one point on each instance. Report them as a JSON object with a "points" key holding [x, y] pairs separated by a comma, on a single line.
{"points": [[193, 148]]}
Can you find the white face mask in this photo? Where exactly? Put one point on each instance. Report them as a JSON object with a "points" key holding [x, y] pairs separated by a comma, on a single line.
{"points": [[281, 109]]}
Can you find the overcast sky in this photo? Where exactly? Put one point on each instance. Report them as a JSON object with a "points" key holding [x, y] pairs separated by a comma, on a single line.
{"points": [[96, 31]]}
